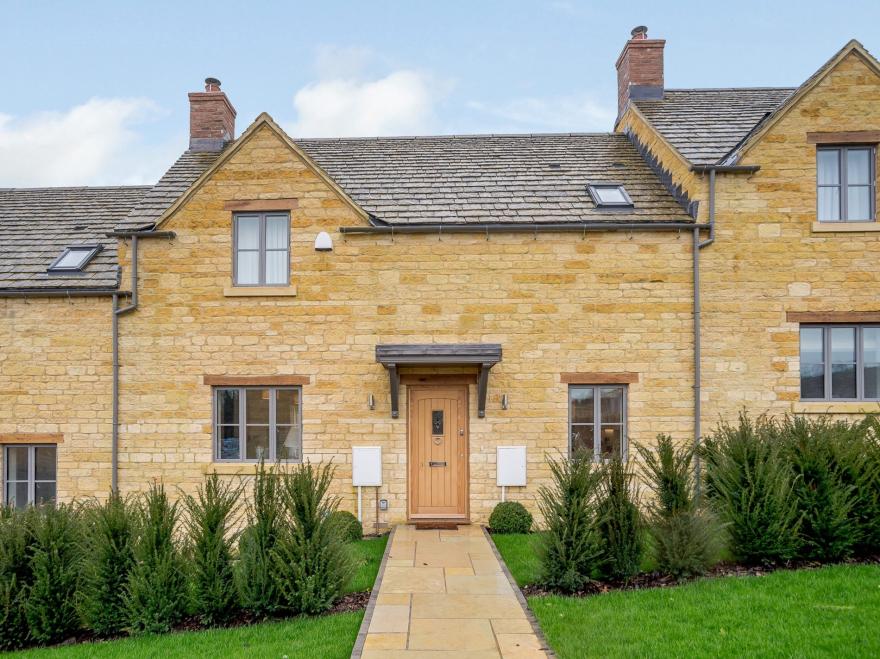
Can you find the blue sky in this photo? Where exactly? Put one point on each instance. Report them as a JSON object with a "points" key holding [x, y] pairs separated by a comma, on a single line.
{"points": [[95, 92]]}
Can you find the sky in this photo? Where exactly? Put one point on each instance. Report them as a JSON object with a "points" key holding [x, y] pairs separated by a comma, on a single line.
{"points": [[94, 93]]}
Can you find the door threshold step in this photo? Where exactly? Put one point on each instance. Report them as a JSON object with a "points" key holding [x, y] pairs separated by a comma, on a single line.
{"points": [[434, 524]]}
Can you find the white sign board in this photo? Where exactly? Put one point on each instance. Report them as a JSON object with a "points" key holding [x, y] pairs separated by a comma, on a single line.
{"points": [[511, 465], [366, 465]]}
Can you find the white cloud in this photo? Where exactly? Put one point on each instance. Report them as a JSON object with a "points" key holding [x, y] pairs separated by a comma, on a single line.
{"points": [[401, 103], [90, 144], [578, 113]]}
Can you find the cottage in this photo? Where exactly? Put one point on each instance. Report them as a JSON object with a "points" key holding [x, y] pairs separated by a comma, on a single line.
{"points": [[441, 297]]}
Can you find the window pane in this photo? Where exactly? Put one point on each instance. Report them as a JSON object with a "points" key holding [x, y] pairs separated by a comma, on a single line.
{"points": [[611, 405], [17, 463], [581, 404], [248, 229], [44, 463], [871, 357], [582, 439], [812, 380], [843, 380], [827, 165], [287, 407], [230, 443], [287, 443], [276, 232], [843, 344], [44, 493], [276, 267], [829, 204], [227, 406], [610, 195], [858, 203], [257, 443], [17, 494], [872, 380], [74, 258], [812, 345], [610, 437], [248, 268], [257, 406], [858, 166]]}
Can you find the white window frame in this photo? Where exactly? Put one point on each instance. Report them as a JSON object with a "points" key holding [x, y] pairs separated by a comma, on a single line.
{"points": [[597, 418], [827, 362], [242, 423], [32, 470], [261, 247]]}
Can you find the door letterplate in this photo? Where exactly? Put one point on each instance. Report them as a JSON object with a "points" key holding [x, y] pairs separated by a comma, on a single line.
{"points": [[437, 463]]}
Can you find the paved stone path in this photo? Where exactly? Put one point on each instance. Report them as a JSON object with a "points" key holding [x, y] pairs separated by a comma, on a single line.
{"points": [[444, 594]]}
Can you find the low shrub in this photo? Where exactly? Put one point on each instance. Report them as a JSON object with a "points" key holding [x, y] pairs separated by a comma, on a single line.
{"points": [[571, 547], [211, 518], [352, 531], [858, 466], [55, 564], [255, 572], [313, 564], [751, 485], [619, 522], [510, 517], [16, 546], [686, 536], [108, 558], [156, 594]]}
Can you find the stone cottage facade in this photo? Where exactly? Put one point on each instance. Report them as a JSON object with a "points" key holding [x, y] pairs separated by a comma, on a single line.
{"points": [[440, 297]]}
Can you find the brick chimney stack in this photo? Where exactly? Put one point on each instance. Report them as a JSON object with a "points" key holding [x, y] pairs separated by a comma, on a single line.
{"points": [[639, 69], [211, 118]]}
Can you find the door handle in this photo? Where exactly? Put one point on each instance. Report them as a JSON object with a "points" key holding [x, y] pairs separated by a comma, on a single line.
{"points": [[437, 463]]}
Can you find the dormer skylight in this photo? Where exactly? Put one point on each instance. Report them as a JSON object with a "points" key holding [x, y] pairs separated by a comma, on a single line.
{"points": [[609, 195], [74, 259]]}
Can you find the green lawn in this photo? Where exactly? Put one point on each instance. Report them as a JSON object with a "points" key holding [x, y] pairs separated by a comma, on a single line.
{"points": [[830, 612], [519, 552], [322, 636]]}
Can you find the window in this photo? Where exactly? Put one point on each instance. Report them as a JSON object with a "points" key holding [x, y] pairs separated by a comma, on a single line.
{"points": [[253, 423], [845, 180], [840, 362], [262, 249], [74, 259], [609, 194], [597, 420], [29, 475]]}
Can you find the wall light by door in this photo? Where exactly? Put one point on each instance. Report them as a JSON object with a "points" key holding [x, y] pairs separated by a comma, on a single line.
{"points": [[323, 243], [504, 402], [371, 402]]}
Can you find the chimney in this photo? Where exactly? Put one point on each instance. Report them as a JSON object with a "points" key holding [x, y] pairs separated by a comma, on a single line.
{"points": [[639, 69], [211, 118]]}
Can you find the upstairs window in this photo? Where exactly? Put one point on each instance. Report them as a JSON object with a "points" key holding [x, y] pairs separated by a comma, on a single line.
{"points": [[262, 249], [846, 181], [257, 423], [609, 194], [597, 420], [74, 259], [840, 362]]}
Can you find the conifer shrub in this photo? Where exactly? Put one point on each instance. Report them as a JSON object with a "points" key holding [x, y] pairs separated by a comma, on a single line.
{"points": [[108, 558], [352, 531], [619, 521], [570, 549], [686, 536], [751, 484], [210, 526], [16, 547], [156, 593], [50, 608], [255, 573], [312, 562], [510, 517]]}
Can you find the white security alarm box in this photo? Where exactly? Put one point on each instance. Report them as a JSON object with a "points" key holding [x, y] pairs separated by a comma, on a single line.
{"points": [[511, 466], [366, 465]]}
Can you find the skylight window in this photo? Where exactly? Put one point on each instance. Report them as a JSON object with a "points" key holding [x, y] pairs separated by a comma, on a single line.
{"points": [[609, 194], [74, 258]]}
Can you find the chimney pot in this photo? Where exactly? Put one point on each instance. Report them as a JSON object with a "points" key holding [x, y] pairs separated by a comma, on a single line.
{"points": [[639, 32], [211, 118], [212, 85], [639, 69]]}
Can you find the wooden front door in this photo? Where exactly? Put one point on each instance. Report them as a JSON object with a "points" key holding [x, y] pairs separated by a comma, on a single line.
{"points": [[438, 451]]}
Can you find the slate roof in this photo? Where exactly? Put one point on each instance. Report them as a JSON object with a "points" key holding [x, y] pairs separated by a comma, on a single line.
{"points": [[36, 224], [705, 125], [492, 178]]}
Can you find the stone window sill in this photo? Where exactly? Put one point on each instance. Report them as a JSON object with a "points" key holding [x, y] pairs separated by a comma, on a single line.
{"points": [[259, 291], [832, 407], [845, 227]]}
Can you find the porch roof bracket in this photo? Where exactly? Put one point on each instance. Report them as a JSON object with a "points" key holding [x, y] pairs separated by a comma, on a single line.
{"points": [[394, 377], [482, 386]]}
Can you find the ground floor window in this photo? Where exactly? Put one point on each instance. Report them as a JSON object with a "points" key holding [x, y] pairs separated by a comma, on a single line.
{"points": [[840, 362], [597, 420], [254, 423], [29, 475]]}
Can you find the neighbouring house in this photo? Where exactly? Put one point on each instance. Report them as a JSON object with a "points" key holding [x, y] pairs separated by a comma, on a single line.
{"points": [[440, 297]]}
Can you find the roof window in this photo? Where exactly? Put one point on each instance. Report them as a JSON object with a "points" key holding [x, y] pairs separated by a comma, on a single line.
{"points": [[609, 194], [74, 259]]}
